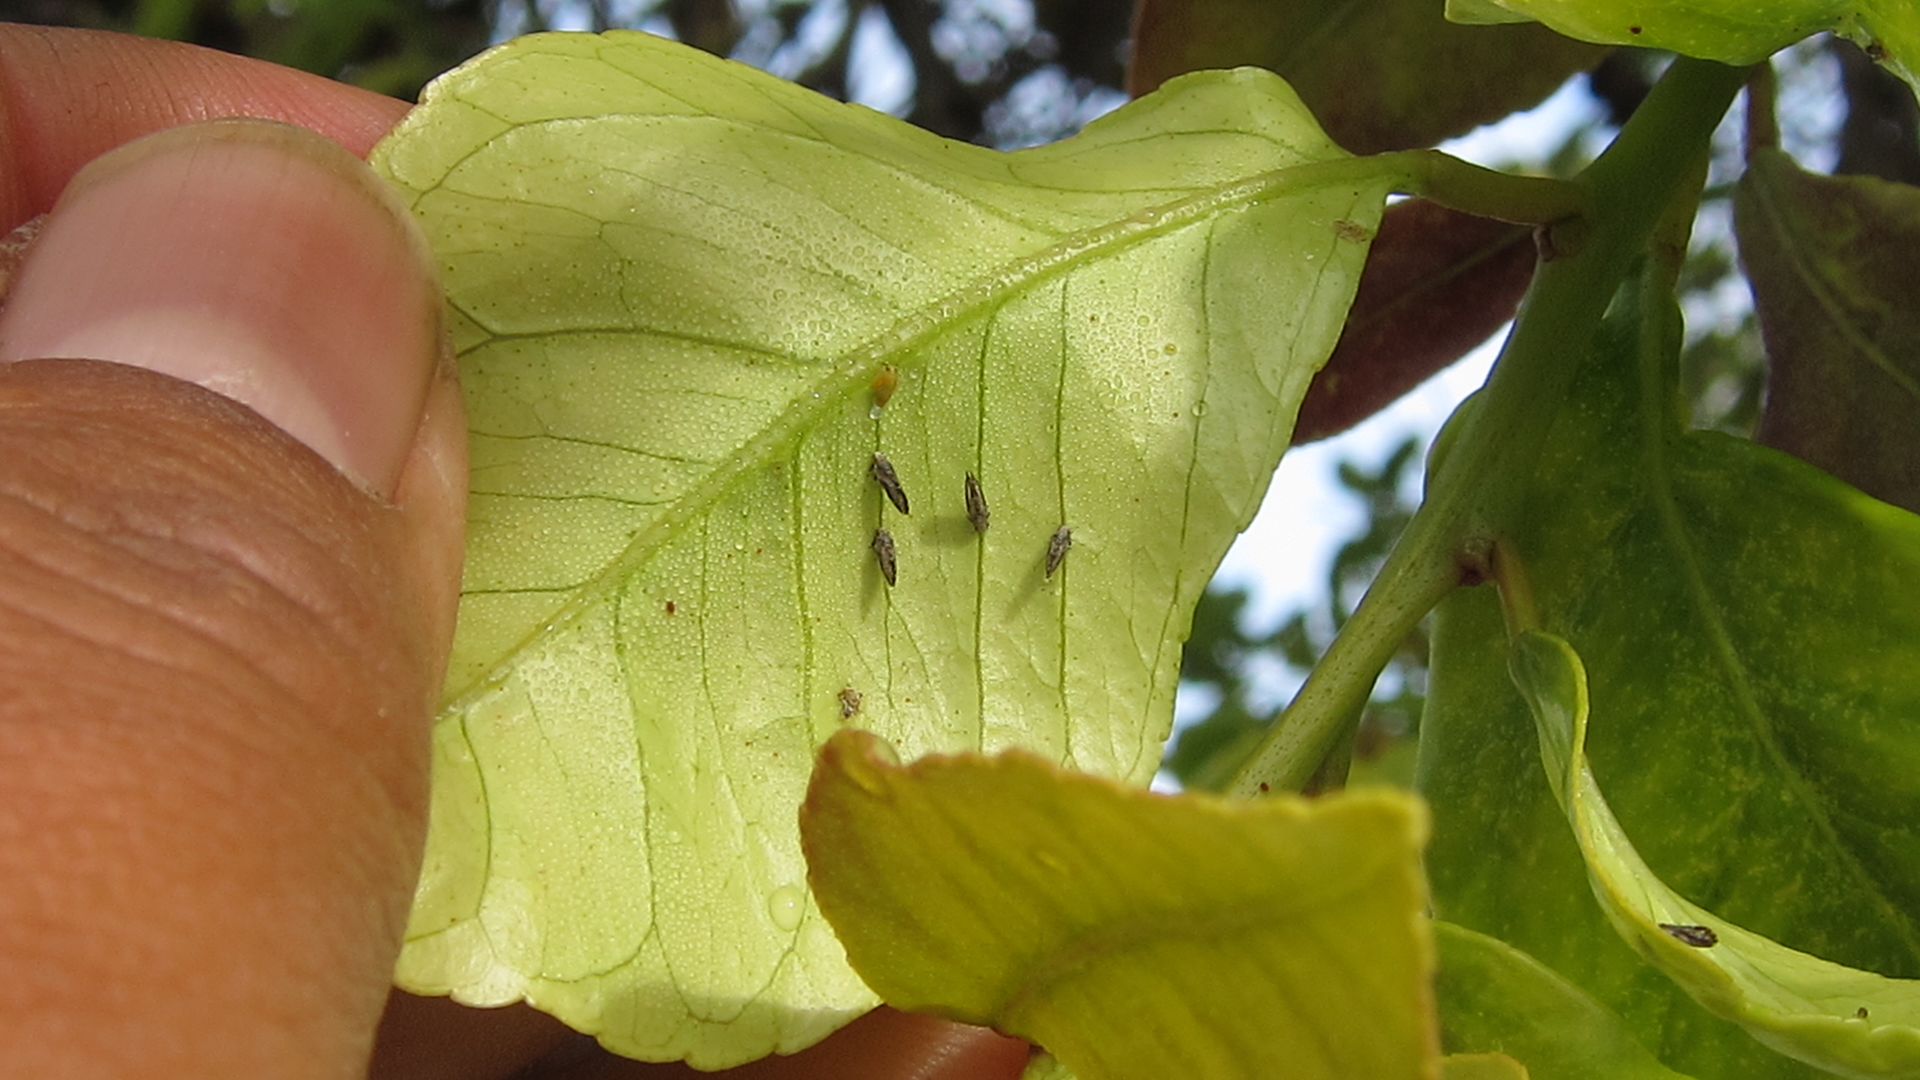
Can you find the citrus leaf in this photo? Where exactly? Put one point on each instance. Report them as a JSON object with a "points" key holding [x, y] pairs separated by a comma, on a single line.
{"points": [[1493, 997], [1730, 31], [1481, 1067], [1850, 1022], [1281, 938], [681, 292], [1834, 263], [1748, 626], [1380, 75], [1437, 284]]}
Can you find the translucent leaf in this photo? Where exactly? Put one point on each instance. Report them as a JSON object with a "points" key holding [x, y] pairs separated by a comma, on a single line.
{"points": [[1850, 1022], [1749, 627], [1493, 997], [681, 292], [1730, 31], [1131, 934]]}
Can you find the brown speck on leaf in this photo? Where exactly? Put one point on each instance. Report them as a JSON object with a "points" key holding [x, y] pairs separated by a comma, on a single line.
{"points": [[1876, 52], [1700, 937], [670, 608], [1860, 1013], [849, 703], [1352, 230], [884, 555], [1057, 548], [889, 481], [1633, 29]]}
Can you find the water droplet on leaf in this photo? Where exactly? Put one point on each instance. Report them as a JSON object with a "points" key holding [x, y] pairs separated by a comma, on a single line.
{"points": [[785, 907]]}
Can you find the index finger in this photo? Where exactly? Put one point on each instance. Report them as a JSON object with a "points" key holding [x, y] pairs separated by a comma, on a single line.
{"points": [[68, 96]]}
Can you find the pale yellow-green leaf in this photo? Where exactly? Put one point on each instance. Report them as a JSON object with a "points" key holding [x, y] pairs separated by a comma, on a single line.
{"points": [[1045, 1066], [1849, 1022], [674, 282], [1133, 935], [1481, 1067]]}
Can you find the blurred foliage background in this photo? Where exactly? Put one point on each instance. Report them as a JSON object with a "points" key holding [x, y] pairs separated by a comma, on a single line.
{"points": [[1011, 73]]}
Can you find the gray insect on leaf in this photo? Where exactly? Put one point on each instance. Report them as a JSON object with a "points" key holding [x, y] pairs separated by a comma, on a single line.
{"points": [[849, 702], [883, 554], [889, 482], [976, 505], [1700, 937], [1057, 548]]}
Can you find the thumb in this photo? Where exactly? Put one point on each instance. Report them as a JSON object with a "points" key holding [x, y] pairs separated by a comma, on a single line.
{"points": [[223, 615]]}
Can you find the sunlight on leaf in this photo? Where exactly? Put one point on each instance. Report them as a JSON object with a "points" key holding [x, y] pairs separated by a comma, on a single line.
{"points": [[1281, 938], [1730, 31], [679, 289], [1853, 1023]]}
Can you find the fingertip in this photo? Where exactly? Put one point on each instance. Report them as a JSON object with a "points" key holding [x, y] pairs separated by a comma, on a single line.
{"points": [[253, 258]]}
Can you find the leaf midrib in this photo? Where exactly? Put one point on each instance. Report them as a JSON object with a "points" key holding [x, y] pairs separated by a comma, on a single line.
{"points": [[850, 376]]}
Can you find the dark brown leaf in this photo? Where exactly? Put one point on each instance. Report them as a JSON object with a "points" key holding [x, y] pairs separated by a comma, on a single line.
{"points": [[1379, 74], [1835, 267], [1437, 283]]}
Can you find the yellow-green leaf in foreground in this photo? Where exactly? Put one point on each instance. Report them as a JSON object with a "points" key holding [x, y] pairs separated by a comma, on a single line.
{"points": [[1129, 933], [1730, 31], [1481, 1067], [1849, 1022], [691, 303]]}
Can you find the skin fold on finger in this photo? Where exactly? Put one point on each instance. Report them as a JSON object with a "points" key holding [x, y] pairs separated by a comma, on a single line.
{"points": [[221, 661], [67, 96]]}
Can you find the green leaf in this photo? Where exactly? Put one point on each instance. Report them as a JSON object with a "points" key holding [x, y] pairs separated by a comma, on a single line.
{"points": [[1131, 934], [675, 284], [1730, 31], [1850, 1022], [1381, 75], [1748, 625], [1493, 997], [1834, 263], [1481, 1067]]}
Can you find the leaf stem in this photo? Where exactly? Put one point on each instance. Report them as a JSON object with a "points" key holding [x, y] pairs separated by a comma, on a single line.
{"points": [[1480, 472], [1473, 189]]}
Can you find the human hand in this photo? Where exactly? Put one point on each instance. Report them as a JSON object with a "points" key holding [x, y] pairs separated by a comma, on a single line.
{"points": [[222, 629]]}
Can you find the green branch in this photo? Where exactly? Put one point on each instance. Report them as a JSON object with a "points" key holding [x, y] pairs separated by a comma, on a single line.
{"points": [[1476, 481]]}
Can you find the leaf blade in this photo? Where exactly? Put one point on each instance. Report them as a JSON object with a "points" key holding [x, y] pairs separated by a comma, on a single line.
{"points": [[674, 282], [1830, 261], [1280, 938], [1749, 637], [1847, 1021]]}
